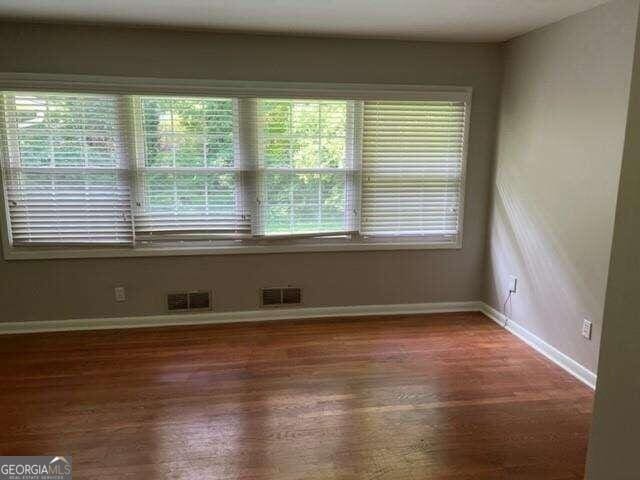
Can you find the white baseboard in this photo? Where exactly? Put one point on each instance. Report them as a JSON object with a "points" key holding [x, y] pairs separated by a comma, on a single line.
{"points": [[553, 354], [583, 374], [233, 317]]}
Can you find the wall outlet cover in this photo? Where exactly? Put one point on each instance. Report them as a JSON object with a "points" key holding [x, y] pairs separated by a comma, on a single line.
{"points": [[120, 294], [586, 329]]}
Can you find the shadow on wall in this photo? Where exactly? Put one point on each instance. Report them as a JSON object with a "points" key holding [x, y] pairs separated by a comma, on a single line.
{"points": [[553, 296]]}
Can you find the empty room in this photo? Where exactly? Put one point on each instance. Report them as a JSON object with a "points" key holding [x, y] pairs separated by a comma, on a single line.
{"points": [[286, 240]]}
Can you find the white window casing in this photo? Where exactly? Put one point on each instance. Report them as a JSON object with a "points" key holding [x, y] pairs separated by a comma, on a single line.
{"points": [[97, 167]]}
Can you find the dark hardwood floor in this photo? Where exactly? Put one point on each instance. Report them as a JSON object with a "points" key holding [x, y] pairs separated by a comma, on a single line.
{"points": [[447, 396]]}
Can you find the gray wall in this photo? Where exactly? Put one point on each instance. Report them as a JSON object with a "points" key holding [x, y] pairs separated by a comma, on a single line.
{"points": [[615, 431], [56, 289], [559, 151]]}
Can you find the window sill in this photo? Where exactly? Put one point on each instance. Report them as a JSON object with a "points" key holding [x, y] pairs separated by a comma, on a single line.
{"points": [[34, 253]]}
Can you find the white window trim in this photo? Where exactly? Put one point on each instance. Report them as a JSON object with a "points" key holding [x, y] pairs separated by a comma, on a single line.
{"points": [[146, 86]]}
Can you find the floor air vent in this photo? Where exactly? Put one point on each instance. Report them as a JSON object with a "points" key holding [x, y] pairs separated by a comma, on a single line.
{"points": [[188, 301], [276, 297]]}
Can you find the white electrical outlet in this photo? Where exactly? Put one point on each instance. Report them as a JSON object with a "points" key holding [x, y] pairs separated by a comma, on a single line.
{"points": [[513, 284], [120, 294], [586, 329]]}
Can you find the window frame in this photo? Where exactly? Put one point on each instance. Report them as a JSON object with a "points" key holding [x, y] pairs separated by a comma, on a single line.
{"points": [[239, 89], [350, 171]]}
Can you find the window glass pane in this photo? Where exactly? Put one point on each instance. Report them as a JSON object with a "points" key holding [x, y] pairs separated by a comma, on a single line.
{"points": [[305, 119], [332, 152], [221, 192], [295, 203], [333, 116], [334, 188], [209, 193], [303, 154], [160, 191], [191, 192], [219, 150], [159, 150], [303, 133], [191, 202], [73, 130], [276, 152], [187, 132], [276, 116]]}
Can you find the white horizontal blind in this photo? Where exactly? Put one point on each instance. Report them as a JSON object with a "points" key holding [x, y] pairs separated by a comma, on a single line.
{"points": [[306, 166], [66, 174], [84, 168], [189, 182], [412, 159]]}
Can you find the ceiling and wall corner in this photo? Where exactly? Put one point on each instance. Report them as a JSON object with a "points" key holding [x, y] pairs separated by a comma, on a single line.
{"points": [[438, 20]]}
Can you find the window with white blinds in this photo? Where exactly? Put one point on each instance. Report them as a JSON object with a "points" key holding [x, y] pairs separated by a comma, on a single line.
{"points": [[412, 159], [306, 167], [66, 172], [189, 185], [228, 170]]}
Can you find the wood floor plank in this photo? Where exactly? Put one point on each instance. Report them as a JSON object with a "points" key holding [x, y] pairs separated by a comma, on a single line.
{"points": [[443, 396]]}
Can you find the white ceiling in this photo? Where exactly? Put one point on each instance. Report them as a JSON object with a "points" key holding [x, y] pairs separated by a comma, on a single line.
{"points": [[460, 20]]}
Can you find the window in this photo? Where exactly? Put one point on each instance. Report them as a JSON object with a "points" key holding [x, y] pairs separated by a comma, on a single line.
{"points": [[412, 167], [306, 167], [189, 184], [153, 173], [66, 174]]}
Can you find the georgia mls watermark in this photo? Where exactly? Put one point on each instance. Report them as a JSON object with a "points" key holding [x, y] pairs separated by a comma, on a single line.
{"points": [[42, 467]]}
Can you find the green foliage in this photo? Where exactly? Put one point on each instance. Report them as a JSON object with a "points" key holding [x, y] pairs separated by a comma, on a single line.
{"points": [[187, 132], [296, 135], [303, 134], [66, 130], [192, 133], [299, 134]]}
